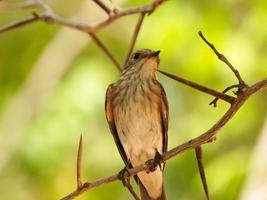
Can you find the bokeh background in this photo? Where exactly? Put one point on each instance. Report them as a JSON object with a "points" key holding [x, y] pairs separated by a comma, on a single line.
{"points": [[52, 89]]}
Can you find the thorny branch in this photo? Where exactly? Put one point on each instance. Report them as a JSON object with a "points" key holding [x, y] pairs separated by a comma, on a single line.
{"points": [[198, 152], [195, 143], [191, 144], [243, 93]]}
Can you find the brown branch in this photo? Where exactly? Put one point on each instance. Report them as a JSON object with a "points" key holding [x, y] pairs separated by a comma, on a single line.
{"points": [[223, 59], [134, 37], [19, 24], [50, 17], [192, 144], [103, 6], [79, 163], [198, 152], [214, 102], [105, 50], [201, 88]]}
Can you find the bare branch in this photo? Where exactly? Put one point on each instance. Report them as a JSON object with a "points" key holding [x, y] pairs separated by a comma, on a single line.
{"points": [[79, 163], [201, 88], [214, 102], [243, 93], [105, 50], [198, 152], [134, 37], [50, 17], [223, 59], [192, 144], [103, 6], [19, 23]]}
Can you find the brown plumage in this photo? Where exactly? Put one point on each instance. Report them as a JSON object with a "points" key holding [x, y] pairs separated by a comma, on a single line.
{"points": [[137, 113]]}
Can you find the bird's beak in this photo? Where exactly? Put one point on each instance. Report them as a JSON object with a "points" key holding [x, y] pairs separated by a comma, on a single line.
{"points": [[154, 54]]}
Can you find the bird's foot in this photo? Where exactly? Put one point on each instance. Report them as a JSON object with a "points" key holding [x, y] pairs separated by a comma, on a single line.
{"points": [[124, 174], [153, 163]]}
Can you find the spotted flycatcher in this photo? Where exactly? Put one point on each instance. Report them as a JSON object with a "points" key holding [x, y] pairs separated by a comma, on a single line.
{"points": [[137, 112]]}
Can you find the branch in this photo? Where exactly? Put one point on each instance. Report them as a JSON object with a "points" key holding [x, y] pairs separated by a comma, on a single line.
{"points": [[191, 144], [19, 23], [199, 156], [201, 88], [50, 17], [79, 163], [223, 59], [134, 37], [105, 50], [103, 6]]}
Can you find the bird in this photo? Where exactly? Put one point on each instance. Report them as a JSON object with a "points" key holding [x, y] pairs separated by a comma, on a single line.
{"points": [[137, 113]]}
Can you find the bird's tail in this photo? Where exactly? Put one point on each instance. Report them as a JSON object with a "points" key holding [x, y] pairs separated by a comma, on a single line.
{"points": [[145, 195]]}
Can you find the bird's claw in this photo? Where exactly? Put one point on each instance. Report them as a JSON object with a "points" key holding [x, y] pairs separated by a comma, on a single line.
{"points": [[124, 175], [153, 163]]}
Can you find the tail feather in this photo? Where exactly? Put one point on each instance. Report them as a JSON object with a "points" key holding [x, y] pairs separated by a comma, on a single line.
{"points": [[145, 195]]}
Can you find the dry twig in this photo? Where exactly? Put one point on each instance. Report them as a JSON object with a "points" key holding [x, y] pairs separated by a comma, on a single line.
{"points": [[79, 163], [199, 87], [243, 93], [19, 23], [105, 50], [103, 6], [223, 59], [50, 17], [198, 152], [134, 37]]}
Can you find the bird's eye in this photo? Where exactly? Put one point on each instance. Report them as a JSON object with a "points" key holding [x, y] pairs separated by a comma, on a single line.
{"points": [[136, 56]]}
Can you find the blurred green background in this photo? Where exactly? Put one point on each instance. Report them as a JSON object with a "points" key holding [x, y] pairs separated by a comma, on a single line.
{"points": [[52, 88]]}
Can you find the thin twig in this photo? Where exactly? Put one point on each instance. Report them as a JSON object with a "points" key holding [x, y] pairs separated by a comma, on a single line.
{"points": [[79, 163], [214, 101], [223, 59], [50, 17], [19, 24], [198, 152], [201, 88], [105, 50], [192, 144], [103, 6], [134, 37]]}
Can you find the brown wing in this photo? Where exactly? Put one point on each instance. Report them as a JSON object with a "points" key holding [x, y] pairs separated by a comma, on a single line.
{"points": [[164, 118], [111, 123]]}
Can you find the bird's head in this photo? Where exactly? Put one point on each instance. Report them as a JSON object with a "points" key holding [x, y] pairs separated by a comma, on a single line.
{"points": [[144, 61]]}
